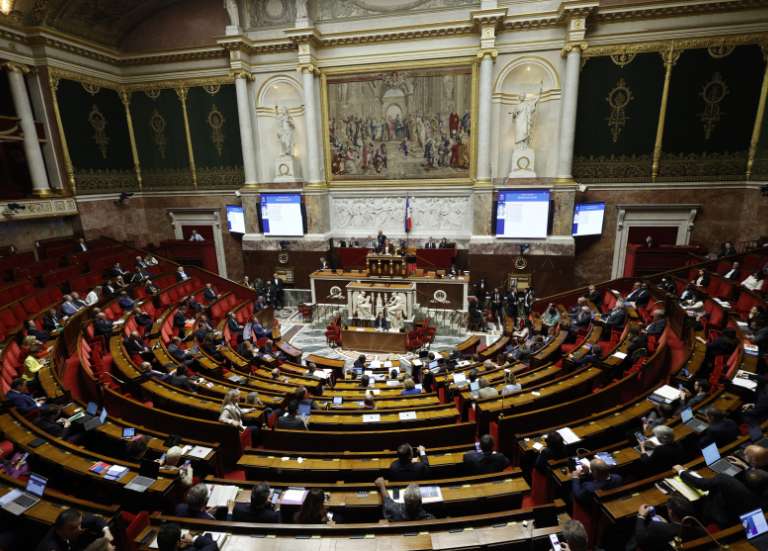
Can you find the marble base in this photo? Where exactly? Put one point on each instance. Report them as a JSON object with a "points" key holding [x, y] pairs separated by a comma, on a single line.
{"points": [[285, 169], [231, 30], [523, 161]]}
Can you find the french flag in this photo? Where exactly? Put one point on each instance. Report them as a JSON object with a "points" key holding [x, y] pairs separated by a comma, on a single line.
{"points": [[408, 215]]}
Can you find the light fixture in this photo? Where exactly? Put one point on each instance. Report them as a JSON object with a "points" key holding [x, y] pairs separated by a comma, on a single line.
{"points": [[528, 68], [6, 6]]}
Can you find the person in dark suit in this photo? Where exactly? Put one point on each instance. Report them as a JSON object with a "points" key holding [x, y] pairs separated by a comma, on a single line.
{"points": [[180, 321], [169, 539], [639, 296], [125, 302], [210, 294], [324, 264], [276, 285], [727, 499], [381, 322], [259, 509], [195, 503], [486, 460], [51, 321], [380, 240], [234, 327], [430, 244], [664, 456], [102, 327], [721, 430], [652, 532], [734, 273], [702, 279], [404, 469], [444, 243], [594, 357], [290, 420], [135, 346], [586, 482], [724, 345], [117, 270], [143, 319], [183, 357], [595, 297], [180, 379], [20, 398], [658, 323], [32, 330], [614, 320]]}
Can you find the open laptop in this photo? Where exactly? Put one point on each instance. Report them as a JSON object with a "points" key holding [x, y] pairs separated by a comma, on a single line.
{"points": [[756, 529], [689, 419], [93, 421], [304, 409], [149, 470], [35, 490], [718, 464]]}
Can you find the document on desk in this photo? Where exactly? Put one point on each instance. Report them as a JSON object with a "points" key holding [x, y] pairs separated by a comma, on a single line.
{"points": [[221, 494], [407, 415], [199, 452], [371, 418], [293, 496], [569, 437], [620, 355], [688, 492]]}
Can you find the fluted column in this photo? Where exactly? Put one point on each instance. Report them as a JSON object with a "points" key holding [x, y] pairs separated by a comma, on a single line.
{"points": [[34, 153], [568, 112], [311, 118], [246, 129], [485, 83]]}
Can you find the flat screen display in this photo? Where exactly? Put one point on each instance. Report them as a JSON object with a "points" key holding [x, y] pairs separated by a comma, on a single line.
{"points": [[281, 214], [522, 214], [588, 219], [235, 219]]}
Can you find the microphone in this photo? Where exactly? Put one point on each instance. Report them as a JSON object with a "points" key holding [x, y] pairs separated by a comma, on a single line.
{"points": [[677, 543]]}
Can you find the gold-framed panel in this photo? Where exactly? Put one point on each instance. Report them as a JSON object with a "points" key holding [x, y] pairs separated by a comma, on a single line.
{"points": [[469, 62]]}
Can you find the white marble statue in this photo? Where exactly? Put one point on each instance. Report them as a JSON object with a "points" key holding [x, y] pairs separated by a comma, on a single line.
{"points": [[301, 11], [396, 308], [232, 13], [363, 306], [285, 131], [523, 115]]}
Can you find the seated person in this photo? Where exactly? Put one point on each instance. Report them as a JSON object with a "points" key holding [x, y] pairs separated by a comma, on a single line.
{"points": [[554, 449], [259, 509], [639, 296], [724, 345], [722, 430], [181, 275], [484, 461], [143, 319], [68, 307], [209, 293], [19, 397], [409, 387], [102, 326], [195, 504], [169, 538], [180, 379], [32, 365], [593, 357], [595, 297], [664, 456], [754, 281], [31, 329], [51, 321], [290, 419], [551, 316], [410, 509], [406, 467], [614, 320], [583, 318], [658, 323], [126, 302], [134, 346], [313, 510], [654, 532], [734, 273], [184, 357], [234, 326], [171, 462], [73, 530], [587, 481]]}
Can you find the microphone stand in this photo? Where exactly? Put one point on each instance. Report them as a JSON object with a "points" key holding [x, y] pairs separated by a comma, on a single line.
{"points": [[677, 543]]}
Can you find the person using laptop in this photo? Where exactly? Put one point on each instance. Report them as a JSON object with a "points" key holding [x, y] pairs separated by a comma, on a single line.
{"points": [[20, 398], [663, 456], [728, 497], [721, 431]]}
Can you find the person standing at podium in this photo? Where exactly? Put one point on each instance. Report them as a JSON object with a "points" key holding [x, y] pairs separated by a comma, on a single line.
{"points": [[380, 241]]}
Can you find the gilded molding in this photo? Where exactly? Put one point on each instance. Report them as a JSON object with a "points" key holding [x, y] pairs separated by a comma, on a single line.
{"points": [[247, 75], [490, 52], [16, 67], [758, 125], [308, 68], [125, 97], [676, 45], [622, 13], [182, 93], [53, 83], [581, 46], [669, 57]]}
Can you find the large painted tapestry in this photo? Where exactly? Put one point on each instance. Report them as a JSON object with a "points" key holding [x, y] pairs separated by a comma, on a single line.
{"points": [[400, 125]]}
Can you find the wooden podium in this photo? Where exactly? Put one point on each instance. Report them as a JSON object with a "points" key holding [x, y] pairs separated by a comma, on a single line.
{"points": [[385, 265]]}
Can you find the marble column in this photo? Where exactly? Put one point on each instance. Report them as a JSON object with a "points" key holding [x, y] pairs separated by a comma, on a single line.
{"points": [[484, 117], [32, 148], [568, 113], [310, 118], [246, 130]]}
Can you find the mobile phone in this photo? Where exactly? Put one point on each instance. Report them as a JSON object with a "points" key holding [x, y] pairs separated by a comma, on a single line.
{"points": [[555, 542], [639, 436]]}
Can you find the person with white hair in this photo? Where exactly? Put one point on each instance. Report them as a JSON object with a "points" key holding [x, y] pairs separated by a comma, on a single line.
{"points": [[410, 509], [664, 456], [195, 504], [171, 462]]}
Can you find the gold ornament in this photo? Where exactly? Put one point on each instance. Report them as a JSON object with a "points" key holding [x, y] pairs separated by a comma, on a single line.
{"points": [[713, 93], [157, 124], [99, 124], [618, 99], [216, 122], [91, 88], [153, 93], [623, 59], [212, 89]]}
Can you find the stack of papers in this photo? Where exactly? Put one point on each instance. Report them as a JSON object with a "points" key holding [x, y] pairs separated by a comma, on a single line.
{"points": [[751, 349], [666, 394], [221, 495], [199, 452], [744, 380], [116, 472], [689, 493], [459, 378], [569, 437], [619, 355], [99, 467]]}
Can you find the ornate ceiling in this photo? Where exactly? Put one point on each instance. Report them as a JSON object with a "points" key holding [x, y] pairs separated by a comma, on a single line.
{"points": [[103, 21]]}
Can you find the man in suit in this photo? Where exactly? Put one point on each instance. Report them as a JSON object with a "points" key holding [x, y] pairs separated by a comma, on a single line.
{"points": [[663, 456], [51, 322], [180, 379], [32, 330], [184, 357], [290, 419], [181, 275], [81, 246], [653, 532], [143, 319], [431, 244], [117, 270], [639, 296], [702, 279], [141, 264], [724, 345], [180, 320], [404, 468], [135, 346], [169, 538], [486, 460], [20, 398], [324, 264], [68, 307], [125, 302], [444, 243], [277, 291], [381, 321], [102, 326], [380, 240], [586, 482], [614, 320], [722, 430], [727, 499], [734, 273], [657, 325], [196, 237], [234, 327], [259, 509], [210, 294], [595, 297]]}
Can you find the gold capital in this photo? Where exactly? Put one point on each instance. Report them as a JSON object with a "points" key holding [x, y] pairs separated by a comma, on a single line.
{"points": [[490, 52], [308, 68], [568, 48], [17, 67], [242, 74]]}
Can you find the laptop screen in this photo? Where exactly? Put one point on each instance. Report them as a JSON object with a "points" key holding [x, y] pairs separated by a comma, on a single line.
{"points": [[103, 415], [304, 409], [754, 523], [129, 432], [710, 453], [91, 408], [337, 400], [686, 415], [474, 386], [36, 484]]}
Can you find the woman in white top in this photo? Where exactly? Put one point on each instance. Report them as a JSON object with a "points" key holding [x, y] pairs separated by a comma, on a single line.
{"points": [[230, 412]]}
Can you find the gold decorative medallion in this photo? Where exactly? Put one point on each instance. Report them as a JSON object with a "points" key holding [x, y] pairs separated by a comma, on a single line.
{"points": [[216, 122], [521, 263], [623, 59], [212, 89], [153, 93], [282, 258], [92, 89], [99, 124], [618, 99], [721, 50], [157, 124], [713, 93]]}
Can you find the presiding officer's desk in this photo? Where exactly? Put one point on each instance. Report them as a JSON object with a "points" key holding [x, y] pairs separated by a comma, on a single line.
{"points": [[368, 339]]}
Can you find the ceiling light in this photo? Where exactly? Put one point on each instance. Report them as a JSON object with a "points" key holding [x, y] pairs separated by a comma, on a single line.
{"points": [[6, 6]]}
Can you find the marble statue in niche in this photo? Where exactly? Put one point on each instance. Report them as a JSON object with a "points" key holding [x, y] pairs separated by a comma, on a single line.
{"points": [[363, 308], [234, 17], [285, 163], [523, 116]]}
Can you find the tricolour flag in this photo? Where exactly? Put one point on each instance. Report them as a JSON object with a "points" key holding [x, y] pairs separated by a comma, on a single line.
{"points": [[408, 215]]}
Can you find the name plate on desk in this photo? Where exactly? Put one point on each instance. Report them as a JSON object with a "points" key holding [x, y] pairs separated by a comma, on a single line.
{"points": [[407, 415], [371, 418]]}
